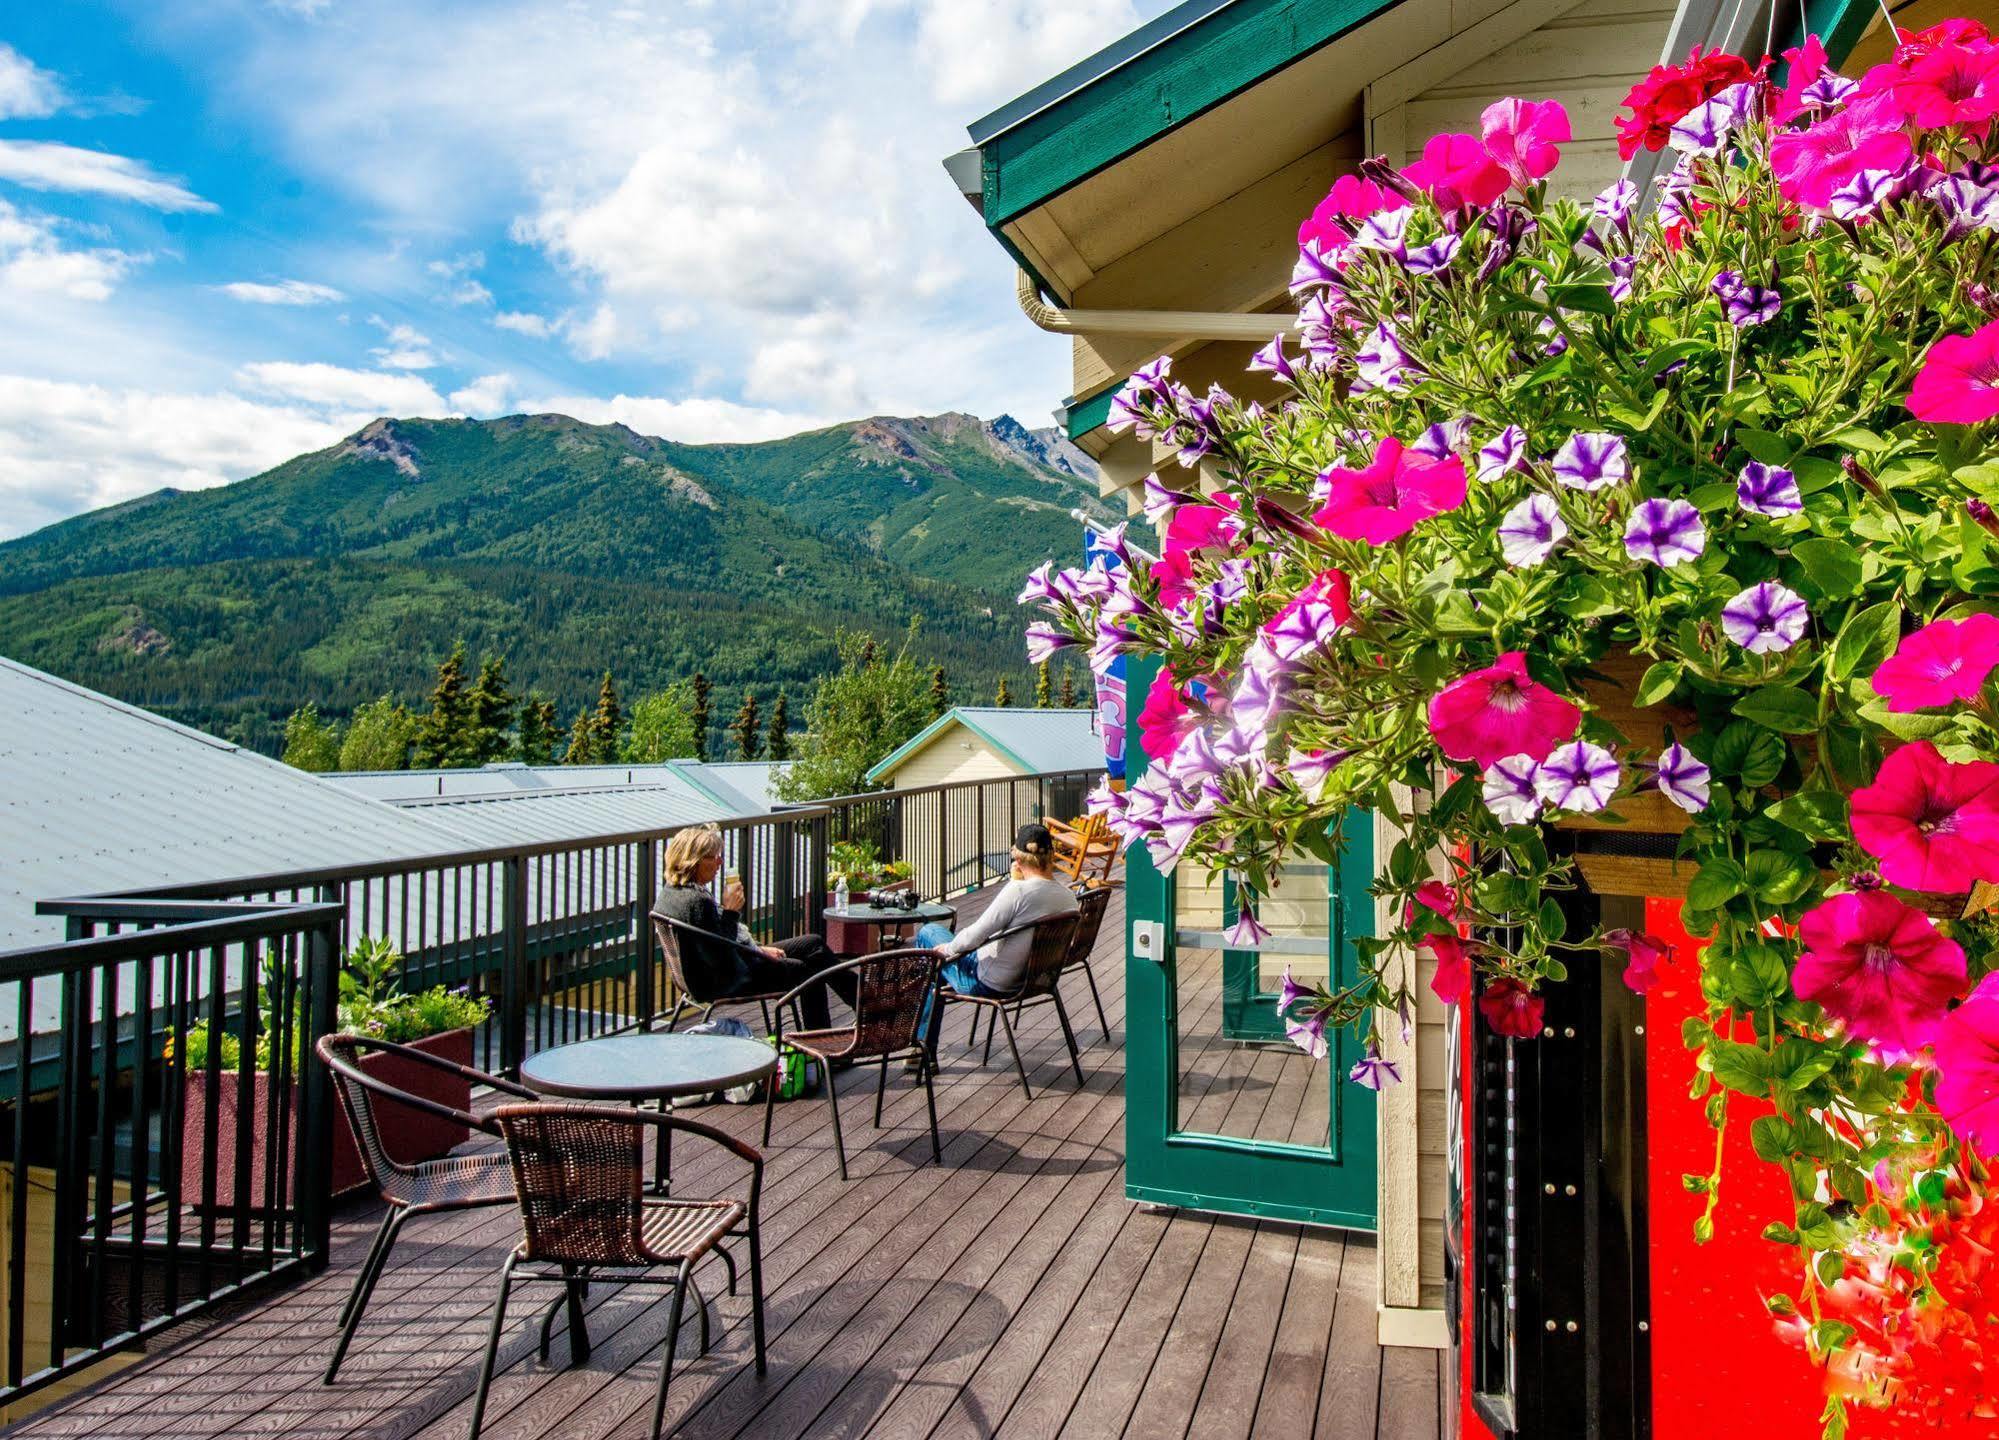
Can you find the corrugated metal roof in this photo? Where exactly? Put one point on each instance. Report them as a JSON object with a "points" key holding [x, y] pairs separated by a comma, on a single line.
{"points": [[99, 795], [742, 785], [525, 817], [751, 783]]}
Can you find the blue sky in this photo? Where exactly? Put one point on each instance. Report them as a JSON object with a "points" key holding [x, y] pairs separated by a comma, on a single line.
{"points": [[234, 230]]}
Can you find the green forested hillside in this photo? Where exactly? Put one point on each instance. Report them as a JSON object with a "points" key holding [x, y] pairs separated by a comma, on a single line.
{"points": [[569, 548]]}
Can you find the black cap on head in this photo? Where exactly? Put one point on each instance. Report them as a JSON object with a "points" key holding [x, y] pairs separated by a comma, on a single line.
{"points": [[1034, 840]]}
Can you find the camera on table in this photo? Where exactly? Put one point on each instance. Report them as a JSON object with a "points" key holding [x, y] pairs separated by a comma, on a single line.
{"points": [[894, 899]]}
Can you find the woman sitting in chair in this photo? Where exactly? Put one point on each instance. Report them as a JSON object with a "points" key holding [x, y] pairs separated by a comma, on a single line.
{"points": [[715, 972], [980, 965]]}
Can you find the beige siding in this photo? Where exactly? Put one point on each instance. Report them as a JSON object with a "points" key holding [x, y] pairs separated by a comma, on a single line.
{"points": [[953, 758], [38, 1290]]}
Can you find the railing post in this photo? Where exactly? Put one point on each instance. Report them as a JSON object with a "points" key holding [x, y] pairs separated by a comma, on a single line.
{"points": [[513, 964], [820, 870], [784, 876], [979, 834], [72, 1152], [647, 891], [315, 1142]]}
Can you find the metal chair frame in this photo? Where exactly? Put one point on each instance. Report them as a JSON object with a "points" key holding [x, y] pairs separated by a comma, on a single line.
{"points": [[664, 928], [885, 1043], [1047, 959], [575, 1274]]}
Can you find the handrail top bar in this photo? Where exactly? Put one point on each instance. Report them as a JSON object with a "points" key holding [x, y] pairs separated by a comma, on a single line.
{"points": [[144, 907], [61, 957], [413, 864]]}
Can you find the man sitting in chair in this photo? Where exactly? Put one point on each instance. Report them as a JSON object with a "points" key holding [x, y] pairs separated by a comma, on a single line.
{"points": [[715, 972], [981, 965]]}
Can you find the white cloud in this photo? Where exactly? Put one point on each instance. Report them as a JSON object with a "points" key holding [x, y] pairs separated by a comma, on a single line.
{"points": [[458, 271], [46, 165], [65, 445], [487, 396], [524, 322], [698, 419], [333, 387], [283, 292], [976, 50], [408, 347], [33, 260], [26, 90]]}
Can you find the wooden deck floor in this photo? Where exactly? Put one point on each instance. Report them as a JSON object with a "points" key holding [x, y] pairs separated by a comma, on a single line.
{"points": [[1011, 1291]]}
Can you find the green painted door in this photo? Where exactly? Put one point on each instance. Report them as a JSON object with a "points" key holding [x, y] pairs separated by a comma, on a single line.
{"points": [[1222, 1113]]}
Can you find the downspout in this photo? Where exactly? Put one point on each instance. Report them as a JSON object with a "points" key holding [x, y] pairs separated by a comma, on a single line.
{"points": [[1183, 324]]}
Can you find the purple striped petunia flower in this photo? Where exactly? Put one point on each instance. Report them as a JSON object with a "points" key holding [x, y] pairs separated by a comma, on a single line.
{"points": [[1768, 490], [1248, 932], [1753, 305], [1681, 778], [1705, 129], [1113, 640], [1830, 90], [1161, 501], [1502, 454], [1577, 776], [1622, 268], [1765, 617], [1386, 231], [1443, 439], [1592, 459], [1272, 361], [1429, 259], [1310, 769], [1511, 793], [1373, 1072], [1381, 363], [1861, 196], [1044, 640], [1530, 530], [1313, 269], [1616, 203], [1665, 532]]}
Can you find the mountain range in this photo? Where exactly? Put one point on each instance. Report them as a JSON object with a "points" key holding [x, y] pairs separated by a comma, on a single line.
{"points": [[567, 547]]}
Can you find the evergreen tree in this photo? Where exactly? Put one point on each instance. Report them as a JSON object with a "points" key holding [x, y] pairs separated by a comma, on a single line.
{"points": [[779, 746], [310, 743], [582, 739], [940, 693], [608, 724], [662, 726], [491, 713], [1004, 695], [747, 728], [859, 714], [1068, 688], [701, 689], [1044, 687], [441, 734], [379, 737], [538, 730]]}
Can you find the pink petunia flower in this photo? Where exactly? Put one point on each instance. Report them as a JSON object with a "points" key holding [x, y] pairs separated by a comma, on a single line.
{"points": [[1951, 84], [1521, 136], [1510, 1008], [1456, 171], [1453, 975], [1352, 199], [1968, 1065], [1803, 68], [1944, 662], [1812, 163], [1959, 381], [1932, 825], [1498, 712], [1879, 968], [1643, 954], [1167, 717], [1388, 499]]}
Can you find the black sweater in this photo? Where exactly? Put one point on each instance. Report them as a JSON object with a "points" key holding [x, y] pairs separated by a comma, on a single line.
{"points": [[710, 970]]}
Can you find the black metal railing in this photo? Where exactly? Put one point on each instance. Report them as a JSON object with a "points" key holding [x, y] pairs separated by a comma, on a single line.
{"points": [[178, 1148], [166, 1149]]}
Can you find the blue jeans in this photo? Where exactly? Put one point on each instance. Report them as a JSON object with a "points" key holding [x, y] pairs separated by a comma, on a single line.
{"points": [[961, 973]]}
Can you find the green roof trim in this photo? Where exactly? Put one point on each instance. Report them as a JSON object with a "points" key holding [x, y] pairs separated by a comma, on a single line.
{"points": [[1100, 123], [1841, 27], [929, 732], [1086, 415]]}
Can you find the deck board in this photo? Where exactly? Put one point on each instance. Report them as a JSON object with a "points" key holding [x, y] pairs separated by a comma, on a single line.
{"points": [[1011, 1291]]}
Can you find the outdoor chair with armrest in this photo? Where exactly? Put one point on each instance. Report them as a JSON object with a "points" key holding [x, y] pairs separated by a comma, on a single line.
{"points": [[669, 932], [1090, 907], [1047, 957], [580, 1175], [888, 1016], [1085, 849], [430, 1187]]}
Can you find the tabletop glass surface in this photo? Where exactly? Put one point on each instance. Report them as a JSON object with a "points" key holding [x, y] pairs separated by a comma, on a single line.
{"points": [[889, 914], [645, 1065]]}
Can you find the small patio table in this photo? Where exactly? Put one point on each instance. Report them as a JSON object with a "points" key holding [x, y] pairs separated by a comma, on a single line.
{"points": [[885, 918], [636, 1068]]}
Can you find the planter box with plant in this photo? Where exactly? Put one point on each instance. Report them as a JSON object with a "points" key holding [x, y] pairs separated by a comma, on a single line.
{"points": [[1678, 513], [859, 863], [437, 1020]]}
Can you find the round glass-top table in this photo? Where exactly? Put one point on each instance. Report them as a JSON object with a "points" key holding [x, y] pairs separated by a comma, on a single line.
{"points": [[652, 1066], [882, 919]]}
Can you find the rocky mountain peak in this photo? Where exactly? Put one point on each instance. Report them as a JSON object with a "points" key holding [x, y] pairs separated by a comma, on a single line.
{"points": [[383, 440]]}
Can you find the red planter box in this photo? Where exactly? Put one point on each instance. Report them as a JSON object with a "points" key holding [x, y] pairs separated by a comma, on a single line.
{"points": [[849, 937], [408, 1134]]}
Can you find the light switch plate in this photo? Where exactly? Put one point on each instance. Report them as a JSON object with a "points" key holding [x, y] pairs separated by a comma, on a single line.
{"points": [[1148, 940]]}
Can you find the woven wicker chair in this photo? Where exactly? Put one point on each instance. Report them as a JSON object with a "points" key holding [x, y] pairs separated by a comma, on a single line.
{"points": [[1090, 907], [580, 1174], [1047, 958], [669, 933], [888, 1013], [431, 1187]]}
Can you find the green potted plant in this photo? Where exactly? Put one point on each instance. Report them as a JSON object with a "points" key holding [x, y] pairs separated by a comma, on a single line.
{"points": [[859, 863]]}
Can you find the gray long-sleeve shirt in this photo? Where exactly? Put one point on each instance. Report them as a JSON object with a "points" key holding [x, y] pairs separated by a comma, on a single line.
{"points": [[1003, 963]]}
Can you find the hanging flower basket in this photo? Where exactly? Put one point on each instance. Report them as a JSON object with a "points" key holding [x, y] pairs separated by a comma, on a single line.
{"points": [[1663, 518]]}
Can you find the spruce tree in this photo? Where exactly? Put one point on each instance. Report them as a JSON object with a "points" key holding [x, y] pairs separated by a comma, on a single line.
{"points": [[701, 689], [779, 746], [748, 728], [1044, 687], [491, 713], [582, 739], [607, 724], [538, 732], [940, 693], [1004, 695], [309, 743], [441, 736], [1068, 688]]}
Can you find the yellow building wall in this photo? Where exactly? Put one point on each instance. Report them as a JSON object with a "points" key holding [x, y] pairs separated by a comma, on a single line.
{"points": [[38, 1291]]}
